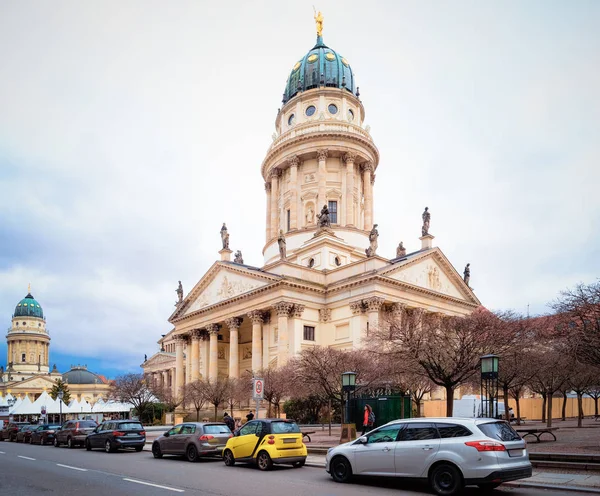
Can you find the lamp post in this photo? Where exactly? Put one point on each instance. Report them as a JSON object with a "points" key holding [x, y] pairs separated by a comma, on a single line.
{"points": [[348, 385], [489, 384], [60, 398]]}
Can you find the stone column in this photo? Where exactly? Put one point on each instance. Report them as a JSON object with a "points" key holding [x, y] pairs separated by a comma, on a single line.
{"points": [[179, 377], [213, 364], [268, 230], [367, 169], [172, 375], [349, 159], [266, 342], [397, 314], [358, 309], [164, 383], [322, 171], [256, 317], [275, 173], [195, 355], [188, 361], [417, 315], [295, 336], [282, 309], [204, 355], [373, 306], [293, 163], [234, 347]]}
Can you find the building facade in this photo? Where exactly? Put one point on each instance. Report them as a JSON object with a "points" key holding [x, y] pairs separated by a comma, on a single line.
{"points": [[323, 282]]}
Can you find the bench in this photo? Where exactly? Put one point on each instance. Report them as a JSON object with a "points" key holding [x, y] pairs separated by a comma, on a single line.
{"points": [[537, 433], [307, 434], [518, 421]]}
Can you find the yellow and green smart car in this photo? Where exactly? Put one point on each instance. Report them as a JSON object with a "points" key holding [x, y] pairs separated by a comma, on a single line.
{"points": [[266, 442]]}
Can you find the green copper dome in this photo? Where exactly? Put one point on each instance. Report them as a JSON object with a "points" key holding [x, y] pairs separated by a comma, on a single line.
{"points": [[320, 67], [28, 307]]}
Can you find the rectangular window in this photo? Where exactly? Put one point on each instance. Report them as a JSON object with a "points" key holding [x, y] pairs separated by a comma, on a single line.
{"points": [[23, 357], [289, 220], [333, 212], [309, 333]]}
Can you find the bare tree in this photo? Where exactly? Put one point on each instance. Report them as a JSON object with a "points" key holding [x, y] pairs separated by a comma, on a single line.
{"points": [[594, 392], [216, 391], [240, 390], [195, 394], [277, 385], [579, 380], [134, 389], [165, 395]]}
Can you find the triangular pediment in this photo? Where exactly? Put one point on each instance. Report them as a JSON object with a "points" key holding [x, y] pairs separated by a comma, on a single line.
{"points": [[159, 358], [222, 282], [431, 270], [35, 382]]}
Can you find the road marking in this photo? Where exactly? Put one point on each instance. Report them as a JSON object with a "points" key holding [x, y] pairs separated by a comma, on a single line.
{"points": [[2, 453], [26, 457], [155, 485], [72, 468]]}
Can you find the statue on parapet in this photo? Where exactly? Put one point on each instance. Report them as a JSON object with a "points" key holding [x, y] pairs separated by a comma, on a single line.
{"points": [[426, 219], [282, 245], [467, 274], [179, 292], [225, 237], [323, 218], [373, 235], [238, 257], [400, 250]]}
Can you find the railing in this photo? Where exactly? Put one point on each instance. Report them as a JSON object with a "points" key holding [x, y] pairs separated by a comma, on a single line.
{"points": [[320, 127]]}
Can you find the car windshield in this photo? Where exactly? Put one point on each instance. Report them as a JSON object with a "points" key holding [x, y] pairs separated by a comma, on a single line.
{"points": [[28, 427], [284, 427], [130, 426], [84, 424], [216, 429], [499, 430]]}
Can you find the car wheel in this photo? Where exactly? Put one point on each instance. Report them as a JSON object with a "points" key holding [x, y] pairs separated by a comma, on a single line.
{"points": [[341, 471], [56, 443], [191, 453], [108, 447], [298, 464], [228, 458], [70, 444], [264, 462], [488, 486], [88, 446], [139, 448], [446, 480], [156, 452]]}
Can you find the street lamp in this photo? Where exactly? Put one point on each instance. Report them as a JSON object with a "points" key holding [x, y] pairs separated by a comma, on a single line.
{"points": [[348, 385], [489, 383], [60, 398]]}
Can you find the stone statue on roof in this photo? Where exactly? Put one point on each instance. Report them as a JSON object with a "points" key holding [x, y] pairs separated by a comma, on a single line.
{"points": [[238, 257], [400, 250], [426, 219], [179, 292], [282, 244], [373, 235], [467, 274], [323, 217], [225, 237]]}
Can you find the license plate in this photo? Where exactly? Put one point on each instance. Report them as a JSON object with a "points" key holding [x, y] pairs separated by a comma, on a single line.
{"points": [[289, 441], [516, 452]]}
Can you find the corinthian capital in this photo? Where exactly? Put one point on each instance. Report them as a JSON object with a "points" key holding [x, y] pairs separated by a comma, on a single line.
{"points": [[234, 323], [374, 303], [297, 310], [179, 339], [293, 161], [213, 329], [367, 167], [322, 154], [350, 157], [357, 307], [324, 314], [196, 334], [256, 316], [282, 308], [275, 173]]}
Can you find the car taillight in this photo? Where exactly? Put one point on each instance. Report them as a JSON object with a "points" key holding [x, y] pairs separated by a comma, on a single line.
{"points": [[205, 437], [271, 440], [486, 445], [142, 433], [230, 435], [118, 433], [50, 432]]}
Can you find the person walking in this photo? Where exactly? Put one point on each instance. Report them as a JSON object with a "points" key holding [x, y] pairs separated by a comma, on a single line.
{"points": [[368, 419], [250, 416], [229, 421]]}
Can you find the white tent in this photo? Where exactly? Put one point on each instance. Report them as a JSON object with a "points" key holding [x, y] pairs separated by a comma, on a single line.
{"points": [[17, 402], [54, 407], [46, 400], [74, 405], [25, 407]]}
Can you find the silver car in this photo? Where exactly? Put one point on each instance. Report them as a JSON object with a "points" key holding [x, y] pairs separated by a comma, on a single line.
{"points": [[193, 439], [448, 452]]}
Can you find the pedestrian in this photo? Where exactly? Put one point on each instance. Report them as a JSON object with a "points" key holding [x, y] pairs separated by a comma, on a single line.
{"points": [[229, 421], [250, 416], [368, 419], [238, 423]]}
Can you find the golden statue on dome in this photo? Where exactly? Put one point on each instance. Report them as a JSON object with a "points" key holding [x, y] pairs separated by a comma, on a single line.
{"points": [[318, 22]]}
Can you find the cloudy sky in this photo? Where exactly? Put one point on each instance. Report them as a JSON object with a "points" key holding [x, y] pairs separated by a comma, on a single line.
{"points": [[130, 130]]}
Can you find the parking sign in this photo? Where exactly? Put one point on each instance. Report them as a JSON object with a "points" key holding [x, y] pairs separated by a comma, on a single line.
{"points": [[258, 389]]}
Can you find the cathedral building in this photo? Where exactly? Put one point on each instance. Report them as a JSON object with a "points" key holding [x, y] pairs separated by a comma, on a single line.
{"points": [[323, 281]]}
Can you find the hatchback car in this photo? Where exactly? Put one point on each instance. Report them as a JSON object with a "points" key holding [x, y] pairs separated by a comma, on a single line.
{"points": [[44, 434], [449, 453], [117, 434], [24, 433], [10, 431], [266, 442], [73, 432], [193, 439]]}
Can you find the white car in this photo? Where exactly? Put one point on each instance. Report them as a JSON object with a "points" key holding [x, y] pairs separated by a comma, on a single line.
{"points": [[448, 452]]}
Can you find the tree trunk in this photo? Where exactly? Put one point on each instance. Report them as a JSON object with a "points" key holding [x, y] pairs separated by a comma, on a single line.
{"points": [[506, 410], [549, 420], [544, 397], [329, 415], [564, 406], [596, 406], [418, 407], [449, 400], [197, 414], [579, 409], [518, 410], [216, 406]]}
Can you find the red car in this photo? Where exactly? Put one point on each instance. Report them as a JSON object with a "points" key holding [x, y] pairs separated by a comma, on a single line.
{"points": [[24, 433], [10, 431]]}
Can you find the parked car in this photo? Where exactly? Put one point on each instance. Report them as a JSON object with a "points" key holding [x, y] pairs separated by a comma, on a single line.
{"points": [[24, 433], [10, 431], [117, 434], [44, 434], [448, 452], [266, 442], [193, 439], [73, 432]]}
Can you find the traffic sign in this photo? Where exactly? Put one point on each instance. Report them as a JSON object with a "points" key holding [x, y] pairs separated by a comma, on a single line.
{"points": [[258, 389]]}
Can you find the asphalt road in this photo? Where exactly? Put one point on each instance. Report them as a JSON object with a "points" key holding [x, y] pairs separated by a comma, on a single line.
{"points": [[27, 470]]}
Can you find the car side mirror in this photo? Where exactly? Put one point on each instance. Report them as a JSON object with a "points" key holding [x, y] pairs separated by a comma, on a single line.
{"points": [[166, 434], [362, 440]]}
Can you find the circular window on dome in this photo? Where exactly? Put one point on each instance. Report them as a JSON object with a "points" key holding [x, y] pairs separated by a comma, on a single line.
{"points": [[350, 115], [332, 109], [296, 66], [291, 119], [330, 56], [310, 111], [313, 58], [345, 62]]}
